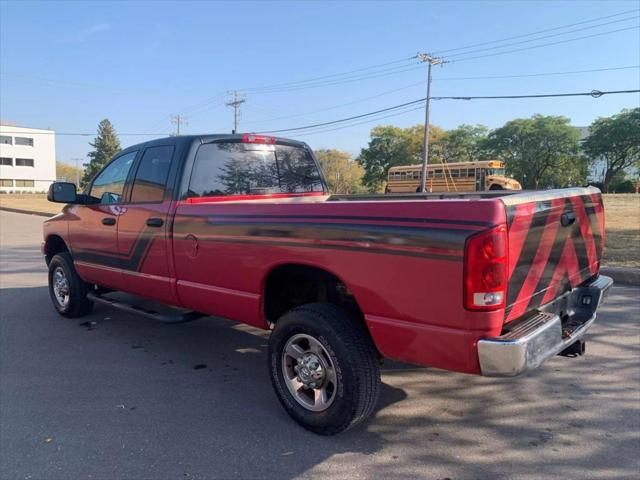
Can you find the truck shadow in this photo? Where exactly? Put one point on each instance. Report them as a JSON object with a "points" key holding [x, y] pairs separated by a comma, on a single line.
{"points": [[194, 401]]}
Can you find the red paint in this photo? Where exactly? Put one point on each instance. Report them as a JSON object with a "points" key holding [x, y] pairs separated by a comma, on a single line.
{"points": [[540, 261], [587, 234], [238, 198], [412, 296], [518, 232]]}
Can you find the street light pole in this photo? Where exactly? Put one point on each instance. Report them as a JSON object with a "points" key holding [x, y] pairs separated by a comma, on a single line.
{"points": [[430, 60]]}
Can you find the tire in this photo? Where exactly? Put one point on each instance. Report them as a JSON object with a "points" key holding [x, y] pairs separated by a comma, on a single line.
{"points": [[351, 380], [67, 290], [495, 187]]}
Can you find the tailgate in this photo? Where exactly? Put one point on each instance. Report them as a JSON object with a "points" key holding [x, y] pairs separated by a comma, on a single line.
{"points": [[556, 240]]}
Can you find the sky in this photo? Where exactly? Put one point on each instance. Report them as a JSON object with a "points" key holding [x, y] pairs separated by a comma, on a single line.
{"points": [[67, 65]]}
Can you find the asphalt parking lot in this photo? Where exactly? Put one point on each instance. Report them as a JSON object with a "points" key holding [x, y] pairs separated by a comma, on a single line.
{"points": [[114, 396]]}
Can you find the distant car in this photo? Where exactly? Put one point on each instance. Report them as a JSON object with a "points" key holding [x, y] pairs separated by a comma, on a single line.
{"points": [[242, 227]]}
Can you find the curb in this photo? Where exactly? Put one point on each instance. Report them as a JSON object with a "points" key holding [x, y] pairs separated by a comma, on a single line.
{"points": [[622, 275], [28, 212]]}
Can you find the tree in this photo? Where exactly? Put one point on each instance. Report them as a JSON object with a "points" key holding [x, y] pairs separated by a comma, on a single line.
{"points": [[105, 146], [343, 174], [466, 143], [540, 152], [67, 173], [390, 146], [616, 140]]}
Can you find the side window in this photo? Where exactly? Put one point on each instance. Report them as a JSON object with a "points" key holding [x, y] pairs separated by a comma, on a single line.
{"points": [[109, 184], [151, 177]]}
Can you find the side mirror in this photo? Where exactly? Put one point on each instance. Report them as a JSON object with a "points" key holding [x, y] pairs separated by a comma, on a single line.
{"points": [[62, 192]]}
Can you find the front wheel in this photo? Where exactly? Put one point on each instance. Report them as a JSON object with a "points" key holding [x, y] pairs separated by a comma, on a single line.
{"points": [[67, 290], [324, 368]]}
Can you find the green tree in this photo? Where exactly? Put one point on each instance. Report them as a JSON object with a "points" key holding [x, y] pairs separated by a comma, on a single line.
{"points": [[343, 174], [465, 144], [105, 146], [541, 151], [616, 140], [390, 146], [67, 173]]}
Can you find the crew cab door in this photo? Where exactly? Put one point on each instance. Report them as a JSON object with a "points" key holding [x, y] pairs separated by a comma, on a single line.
{"points": [[94, 230], [143, 233]]}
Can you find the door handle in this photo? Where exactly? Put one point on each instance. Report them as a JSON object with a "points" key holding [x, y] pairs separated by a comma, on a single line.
{"points": [[154, 222], [567, 219], [108, 221]]}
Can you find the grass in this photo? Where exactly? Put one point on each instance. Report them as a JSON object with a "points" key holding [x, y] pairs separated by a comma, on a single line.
{"points": [[622, 219], [32, 202]]}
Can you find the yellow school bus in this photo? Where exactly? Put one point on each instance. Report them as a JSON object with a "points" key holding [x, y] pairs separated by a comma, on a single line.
{"points": [[452, 177]]}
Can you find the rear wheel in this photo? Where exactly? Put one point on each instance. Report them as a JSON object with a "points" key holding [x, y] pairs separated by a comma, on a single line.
{"points": [[67, 290], [324, 368]]}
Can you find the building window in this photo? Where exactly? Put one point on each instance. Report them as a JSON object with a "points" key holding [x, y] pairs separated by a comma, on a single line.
{"points": [[6, 161], [25, 183], [24, 141], [6, 140], [6, 183], [24, 162]]}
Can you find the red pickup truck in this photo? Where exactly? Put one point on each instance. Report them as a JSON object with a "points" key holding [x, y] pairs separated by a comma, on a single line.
{"points": [[242, 227]]}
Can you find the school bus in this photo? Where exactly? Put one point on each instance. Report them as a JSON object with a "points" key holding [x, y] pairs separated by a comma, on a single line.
{"points": [[452, 177]]}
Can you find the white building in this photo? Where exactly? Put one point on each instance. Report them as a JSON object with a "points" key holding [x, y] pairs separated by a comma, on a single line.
{"points": [[27, 159]]}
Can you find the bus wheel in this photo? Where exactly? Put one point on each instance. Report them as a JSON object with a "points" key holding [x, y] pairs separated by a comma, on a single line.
{"points": [[496, 187]]}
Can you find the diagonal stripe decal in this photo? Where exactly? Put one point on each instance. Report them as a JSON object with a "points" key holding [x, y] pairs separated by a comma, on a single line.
{"points": [[541, 254]]}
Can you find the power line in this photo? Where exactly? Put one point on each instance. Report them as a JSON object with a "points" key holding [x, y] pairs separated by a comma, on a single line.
{"points": [[313, 79], [542, 74], [408, 68], [593, 93], [346, 77], [440, 52], [333, 107], [355, 124], [84, 134], [349, 79], [344, 119], [541, 38], [486, 77], [545, 44]]}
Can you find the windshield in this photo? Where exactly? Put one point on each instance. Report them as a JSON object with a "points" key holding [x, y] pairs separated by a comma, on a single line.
{"points": [[243, 169], [497, 172]]}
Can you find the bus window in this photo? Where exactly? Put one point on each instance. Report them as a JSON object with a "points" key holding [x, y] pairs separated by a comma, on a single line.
{"points": [[455, 173], [438, 173], [499, 172], [416, 175]]}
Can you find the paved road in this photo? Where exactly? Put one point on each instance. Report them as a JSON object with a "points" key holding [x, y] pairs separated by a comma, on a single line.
{"points": [[120, 397]]}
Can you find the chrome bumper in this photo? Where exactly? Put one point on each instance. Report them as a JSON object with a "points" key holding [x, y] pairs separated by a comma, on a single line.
{"points": [[543, 334]]}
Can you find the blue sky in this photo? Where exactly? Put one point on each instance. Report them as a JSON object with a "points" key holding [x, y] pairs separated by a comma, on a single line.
{"points": [[67, 65]]}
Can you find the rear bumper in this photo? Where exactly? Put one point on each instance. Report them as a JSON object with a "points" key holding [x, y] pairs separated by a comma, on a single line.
{"points": [[544, 333]]}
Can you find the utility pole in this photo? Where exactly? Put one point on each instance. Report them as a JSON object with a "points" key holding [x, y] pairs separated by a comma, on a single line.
{"points": [[178, 120], [77, 171], [430, 60], [235, 103]]}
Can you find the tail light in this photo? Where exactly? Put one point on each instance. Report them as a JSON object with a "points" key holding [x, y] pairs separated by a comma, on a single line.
{"points": [[485, 270], [251, 138]]}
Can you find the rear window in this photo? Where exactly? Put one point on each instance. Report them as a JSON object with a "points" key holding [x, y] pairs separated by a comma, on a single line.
{"points": [[252, 169]]}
